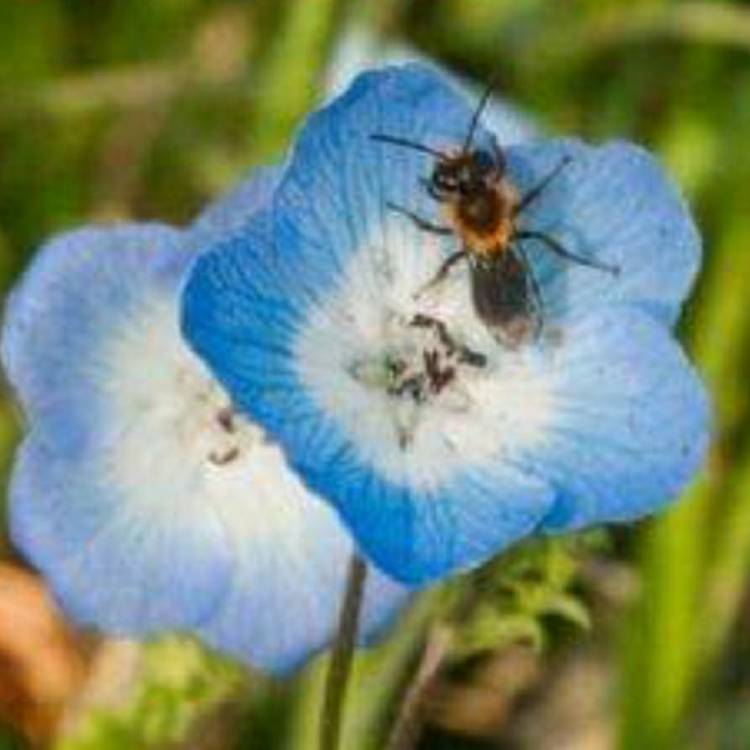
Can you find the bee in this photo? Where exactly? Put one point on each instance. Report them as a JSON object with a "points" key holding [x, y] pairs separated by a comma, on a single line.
{"points": [[482, 208]]}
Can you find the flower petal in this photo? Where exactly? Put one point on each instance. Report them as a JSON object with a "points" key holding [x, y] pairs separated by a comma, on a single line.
{"points": [[419, 535], [129, 560], [67, 306], [615, 204], [630, 425], [80, 349], [292, 556], [231, 211]]}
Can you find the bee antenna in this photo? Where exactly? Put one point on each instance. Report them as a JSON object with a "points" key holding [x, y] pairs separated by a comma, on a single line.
{"points": [[477, 114], [396, 141], [484, 100]]}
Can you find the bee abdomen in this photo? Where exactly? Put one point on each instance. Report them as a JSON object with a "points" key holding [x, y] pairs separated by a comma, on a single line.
{"points": [[502, 296]]}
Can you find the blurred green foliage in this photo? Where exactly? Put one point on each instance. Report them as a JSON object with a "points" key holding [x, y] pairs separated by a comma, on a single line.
{"points": [[178, 683], [146, 109], [512, 597]]}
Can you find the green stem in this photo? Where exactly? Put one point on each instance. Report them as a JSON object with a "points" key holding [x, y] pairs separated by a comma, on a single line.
{"points": [[661, 655], [379, 672], [728, 571], [720, 343], [340, 666], [287, 81], [408, 727]]}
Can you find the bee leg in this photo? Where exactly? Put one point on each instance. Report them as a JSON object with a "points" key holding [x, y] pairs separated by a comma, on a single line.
{"points": [[442, 272], [535, 192], [558, 249], [432, 191], [419, 221]]}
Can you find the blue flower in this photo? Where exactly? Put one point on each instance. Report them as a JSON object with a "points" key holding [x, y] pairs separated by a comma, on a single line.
{"points": [[145, 500], [309, 318]]}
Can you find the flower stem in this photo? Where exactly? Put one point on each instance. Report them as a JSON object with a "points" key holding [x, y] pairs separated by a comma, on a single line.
{"points": [[342, 655], [408, 727]]}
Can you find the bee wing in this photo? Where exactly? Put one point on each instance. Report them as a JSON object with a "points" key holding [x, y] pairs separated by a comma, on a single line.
{"points": [[505, 296]]}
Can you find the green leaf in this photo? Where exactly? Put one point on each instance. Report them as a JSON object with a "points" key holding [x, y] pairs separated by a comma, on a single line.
{"points": [[569, 608], [491, 630]]}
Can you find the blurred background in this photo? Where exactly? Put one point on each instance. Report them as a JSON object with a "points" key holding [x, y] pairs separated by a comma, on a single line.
{"points": [[638, 638]]}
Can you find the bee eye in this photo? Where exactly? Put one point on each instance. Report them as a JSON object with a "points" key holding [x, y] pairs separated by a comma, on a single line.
{"points": [[483, 161], [444, 180]]}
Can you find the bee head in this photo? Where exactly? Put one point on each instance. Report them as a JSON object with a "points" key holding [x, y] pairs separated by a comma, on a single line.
{"points": [[466, 174]]}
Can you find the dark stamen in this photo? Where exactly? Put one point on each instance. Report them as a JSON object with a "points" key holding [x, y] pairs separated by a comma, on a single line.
{"points": [[222, 459], [465, 354], [225, 418]]}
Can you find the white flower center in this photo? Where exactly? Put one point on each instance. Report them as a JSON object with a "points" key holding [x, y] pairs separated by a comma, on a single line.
{"points": [[173, 421], [208, 427], [421, 364], [417, 381]]}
